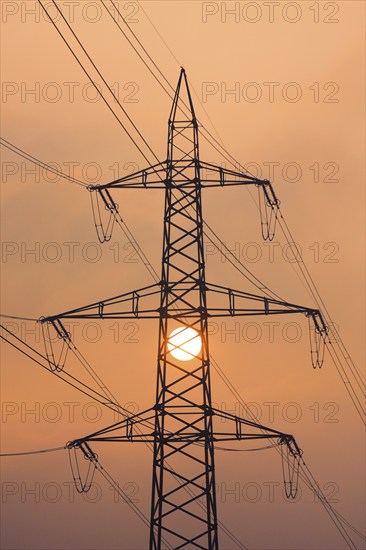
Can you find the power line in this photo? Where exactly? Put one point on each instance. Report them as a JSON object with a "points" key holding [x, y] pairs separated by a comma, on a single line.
{"points": [[261, 286], [146, 263], [39, 163], [204, 130], [42, 451], [102, 470], [298, 257], [104, 81], [127, 499], [319, 301], [217, 368], [346, 382], [119, 490], [314, 487], [223, 527], [79, 356], [114, 406], [323, 500], [18, 318], [143, 256], [88, 391], [91, 80], [174, 474]]}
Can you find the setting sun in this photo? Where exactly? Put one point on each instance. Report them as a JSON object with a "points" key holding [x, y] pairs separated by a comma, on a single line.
{"points": [[184, 343]]}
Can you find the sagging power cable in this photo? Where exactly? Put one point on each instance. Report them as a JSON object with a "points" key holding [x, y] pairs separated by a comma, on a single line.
{"points": [[47, 167], [289, 238]]}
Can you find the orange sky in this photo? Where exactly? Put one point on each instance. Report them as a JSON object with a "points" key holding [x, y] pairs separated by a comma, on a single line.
{"points": [[317, 147]]}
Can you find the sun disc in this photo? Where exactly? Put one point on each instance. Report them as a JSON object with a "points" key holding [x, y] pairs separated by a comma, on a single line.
{"points": [[184, 343]]}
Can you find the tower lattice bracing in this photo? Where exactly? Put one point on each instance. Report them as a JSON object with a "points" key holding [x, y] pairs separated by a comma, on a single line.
{"points": [[183, 399], [183, 427]]}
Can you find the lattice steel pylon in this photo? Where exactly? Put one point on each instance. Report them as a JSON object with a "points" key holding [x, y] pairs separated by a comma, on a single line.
{"points": [[181, 423]]}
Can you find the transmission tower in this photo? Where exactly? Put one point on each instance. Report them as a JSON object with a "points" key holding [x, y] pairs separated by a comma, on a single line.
{"points": [[182, 426]]}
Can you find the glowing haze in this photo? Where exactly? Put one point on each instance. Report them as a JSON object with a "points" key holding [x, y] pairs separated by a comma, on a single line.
{"points": [[284, 91]]}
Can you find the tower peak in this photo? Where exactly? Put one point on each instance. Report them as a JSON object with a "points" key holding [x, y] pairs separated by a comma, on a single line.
{"points": [[182, 108]]}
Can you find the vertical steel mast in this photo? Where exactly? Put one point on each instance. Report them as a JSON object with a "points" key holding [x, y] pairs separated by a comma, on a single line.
{"points": [[183, 398], [180, 426]]}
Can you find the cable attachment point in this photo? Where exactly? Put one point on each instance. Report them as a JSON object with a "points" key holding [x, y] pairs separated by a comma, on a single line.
{"points": [[291, 455], [83, 481], [104, 223], [268, 209], [56, 361], [318, 331]]}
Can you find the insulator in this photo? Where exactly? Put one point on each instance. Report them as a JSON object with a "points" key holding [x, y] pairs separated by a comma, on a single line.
{"points": [[104, 228], [268, 210], [82, 485], [56, 361], [317, 343], [290, 469]]}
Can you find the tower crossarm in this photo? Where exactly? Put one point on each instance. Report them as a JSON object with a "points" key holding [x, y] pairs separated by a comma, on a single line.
{"points": [[235, 428], [141, 303], [211, 175], [225, 302], [137, 427], [153, 177], [228, 427], [233, 303]]}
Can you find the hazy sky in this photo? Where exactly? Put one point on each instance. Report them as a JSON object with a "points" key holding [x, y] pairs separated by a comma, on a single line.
{"points": [[281, 85]]}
